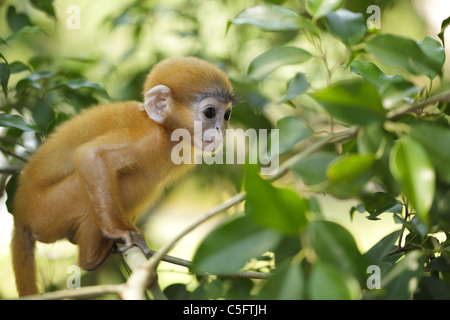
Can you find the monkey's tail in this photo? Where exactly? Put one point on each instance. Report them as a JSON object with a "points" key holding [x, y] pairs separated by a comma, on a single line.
{"points": [[24, 264]]}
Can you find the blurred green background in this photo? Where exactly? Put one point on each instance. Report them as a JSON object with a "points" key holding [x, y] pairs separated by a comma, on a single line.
{"points": [[118, 42]]}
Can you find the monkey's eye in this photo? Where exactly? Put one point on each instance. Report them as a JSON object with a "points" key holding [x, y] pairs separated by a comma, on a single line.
{"points": [[227, 115], [209, 112]]}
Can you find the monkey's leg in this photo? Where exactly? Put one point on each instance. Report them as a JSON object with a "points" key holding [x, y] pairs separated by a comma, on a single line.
{"points": [[97, 165], [94, 248]]}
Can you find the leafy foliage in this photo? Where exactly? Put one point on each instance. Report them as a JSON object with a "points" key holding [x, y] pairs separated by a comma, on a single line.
{"points": [[388, 165], [396, 164]]}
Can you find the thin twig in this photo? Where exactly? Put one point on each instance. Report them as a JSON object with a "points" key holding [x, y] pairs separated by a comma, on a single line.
{"points": [[10, 153], [444, 97]]}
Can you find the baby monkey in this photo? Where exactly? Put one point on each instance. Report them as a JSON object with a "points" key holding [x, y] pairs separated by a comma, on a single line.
{"points": [[94, 176]]}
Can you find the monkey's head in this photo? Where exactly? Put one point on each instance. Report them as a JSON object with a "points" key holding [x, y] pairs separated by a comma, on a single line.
{"points": [[181, 92]]}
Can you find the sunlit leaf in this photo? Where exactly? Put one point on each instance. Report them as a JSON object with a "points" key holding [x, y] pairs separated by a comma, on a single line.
{"points": [[313, 170], [269, 17], [319, 8], [276, 57], [404, 53], [412, 167], [348, 174], [350, 168]]}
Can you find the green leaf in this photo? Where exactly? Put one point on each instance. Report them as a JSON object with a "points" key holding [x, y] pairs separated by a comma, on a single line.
{"points": [[4, 77], [373, 139], [371, 73], [16, 21], [335, 246], [18, 66], [404, 53], [25, 30], [14, 121], [350, 167], [432, 288], [288, 283], [378, 202], [226, 249], [11, 189], [435, 139], [313, 170], [348, 26], [412, 167], [269, 17], [280, 209], [45, 6], [296, 87], [353, 102], [276, 57], [77, 84], [329, 283], [433, 50], [444, 26], [2, 42], [393, 89], [292, 131], [43, 115], [379, 251], [397, 93], [319, 8], [403, 278], [348, 174]]}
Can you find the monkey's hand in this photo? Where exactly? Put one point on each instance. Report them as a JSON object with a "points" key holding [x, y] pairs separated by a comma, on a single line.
{"points": [[128, 239]]}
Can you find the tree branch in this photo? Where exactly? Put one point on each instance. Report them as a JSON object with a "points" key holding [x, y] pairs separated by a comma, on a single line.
{"points": [[82, 293]]}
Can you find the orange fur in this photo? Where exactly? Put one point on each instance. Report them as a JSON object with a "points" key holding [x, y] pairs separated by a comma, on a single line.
{"points": [[93, 177]]}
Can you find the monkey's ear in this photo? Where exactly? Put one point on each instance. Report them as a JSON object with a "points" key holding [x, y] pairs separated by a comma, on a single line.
{"points": [[157, 102]]}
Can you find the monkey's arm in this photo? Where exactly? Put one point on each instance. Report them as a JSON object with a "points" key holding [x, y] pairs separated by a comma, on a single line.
{"points": [[97, 165]]}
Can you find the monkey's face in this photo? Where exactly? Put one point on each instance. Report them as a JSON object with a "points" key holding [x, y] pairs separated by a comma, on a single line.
{"points": [[213, 115]]}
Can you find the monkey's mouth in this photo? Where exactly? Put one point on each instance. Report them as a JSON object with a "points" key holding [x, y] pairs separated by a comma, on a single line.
{"points": [[211, 145]]}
